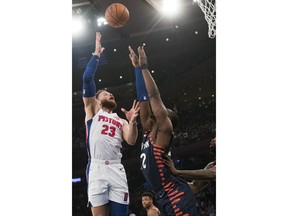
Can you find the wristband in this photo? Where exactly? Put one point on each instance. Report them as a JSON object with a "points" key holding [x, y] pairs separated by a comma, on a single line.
{"points": [[144, 66]]}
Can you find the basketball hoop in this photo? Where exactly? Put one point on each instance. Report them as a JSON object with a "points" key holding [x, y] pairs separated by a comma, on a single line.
{"points": [[209, 9]]}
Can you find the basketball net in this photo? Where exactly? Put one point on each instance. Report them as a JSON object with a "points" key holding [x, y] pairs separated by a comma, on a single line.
{"points": [[209, 9]]}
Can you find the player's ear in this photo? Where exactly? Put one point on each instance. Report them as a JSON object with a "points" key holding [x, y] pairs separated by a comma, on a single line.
{"points": [[98, 102]]}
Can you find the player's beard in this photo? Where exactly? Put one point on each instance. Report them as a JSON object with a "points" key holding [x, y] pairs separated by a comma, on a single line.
{"points": [[109, 104]]}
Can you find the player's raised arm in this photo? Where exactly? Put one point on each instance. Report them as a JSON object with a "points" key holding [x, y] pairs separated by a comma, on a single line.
{"points": [[142, 95], [158, 108], [89, 86]]}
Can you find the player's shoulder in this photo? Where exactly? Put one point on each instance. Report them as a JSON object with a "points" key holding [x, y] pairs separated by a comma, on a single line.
{"points": [[154, 210], [120, 119]]}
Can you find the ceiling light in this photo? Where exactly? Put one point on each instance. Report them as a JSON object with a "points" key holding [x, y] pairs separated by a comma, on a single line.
{"points": [[77, 25], [170, 7], [101, 21]]}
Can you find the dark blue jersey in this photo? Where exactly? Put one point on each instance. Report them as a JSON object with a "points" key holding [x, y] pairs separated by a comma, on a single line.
{"points": [[172, 193], [152, 165]]}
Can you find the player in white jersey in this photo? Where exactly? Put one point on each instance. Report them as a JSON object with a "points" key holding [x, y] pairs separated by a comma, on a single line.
{"points": [[106, 177]]}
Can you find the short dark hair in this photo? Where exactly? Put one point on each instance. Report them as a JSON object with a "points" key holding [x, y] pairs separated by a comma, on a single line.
{"points": [[147, 193]]}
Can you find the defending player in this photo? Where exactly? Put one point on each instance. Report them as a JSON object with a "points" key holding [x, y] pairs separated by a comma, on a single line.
{"points": [[171, 193]]}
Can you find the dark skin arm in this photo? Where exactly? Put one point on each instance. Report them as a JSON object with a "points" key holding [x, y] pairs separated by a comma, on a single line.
{"points": [[163, 126], [202, 177], [208, 173], [198, 185], [145, 110]]}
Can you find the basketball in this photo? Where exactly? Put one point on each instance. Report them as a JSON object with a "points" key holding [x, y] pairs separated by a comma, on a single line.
{"points": [[117, 15]]}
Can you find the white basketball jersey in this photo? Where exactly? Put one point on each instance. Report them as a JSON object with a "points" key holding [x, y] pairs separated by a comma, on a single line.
{"points": [[104, 136]]}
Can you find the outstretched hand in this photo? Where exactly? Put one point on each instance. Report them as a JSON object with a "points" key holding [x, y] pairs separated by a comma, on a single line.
{"points": [[211, 165], [133, 57], [142, 55], [98, 48], [132, 114]]}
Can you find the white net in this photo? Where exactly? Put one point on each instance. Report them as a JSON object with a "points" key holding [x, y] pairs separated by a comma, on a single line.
{"points": [[209, 9]]}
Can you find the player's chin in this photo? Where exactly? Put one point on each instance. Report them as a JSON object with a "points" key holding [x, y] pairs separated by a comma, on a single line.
{"points": [[111, 104]]}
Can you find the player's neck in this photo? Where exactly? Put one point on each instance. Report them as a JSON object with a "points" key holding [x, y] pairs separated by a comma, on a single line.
{"points": [[107, 109], [150, 207]]}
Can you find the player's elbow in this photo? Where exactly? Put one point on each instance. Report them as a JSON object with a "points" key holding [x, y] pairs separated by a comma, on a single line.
{"points": [[153, 94], [87, 77]]}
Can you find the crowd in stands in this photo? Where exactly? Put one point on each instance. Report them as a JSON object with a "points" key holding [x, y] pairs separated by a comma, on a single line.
{"points": [[206, 200]]}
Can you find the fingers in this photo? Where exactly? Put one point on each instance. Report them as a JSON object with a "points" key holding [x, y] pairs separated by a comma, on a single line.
{"points": [[137, 105], [137, 111], [123, 110], [98, 35], [133, 106], [133, 57], [141, 52], [140, 49], [131, 50], [167, 163]]}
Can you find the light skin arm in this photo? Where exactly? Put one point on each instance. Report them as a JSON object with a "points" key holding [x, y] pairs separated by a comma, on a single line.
{"points": [[130, 131], [144, 105], [208, 173], [90, 103], [163, 122]]}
